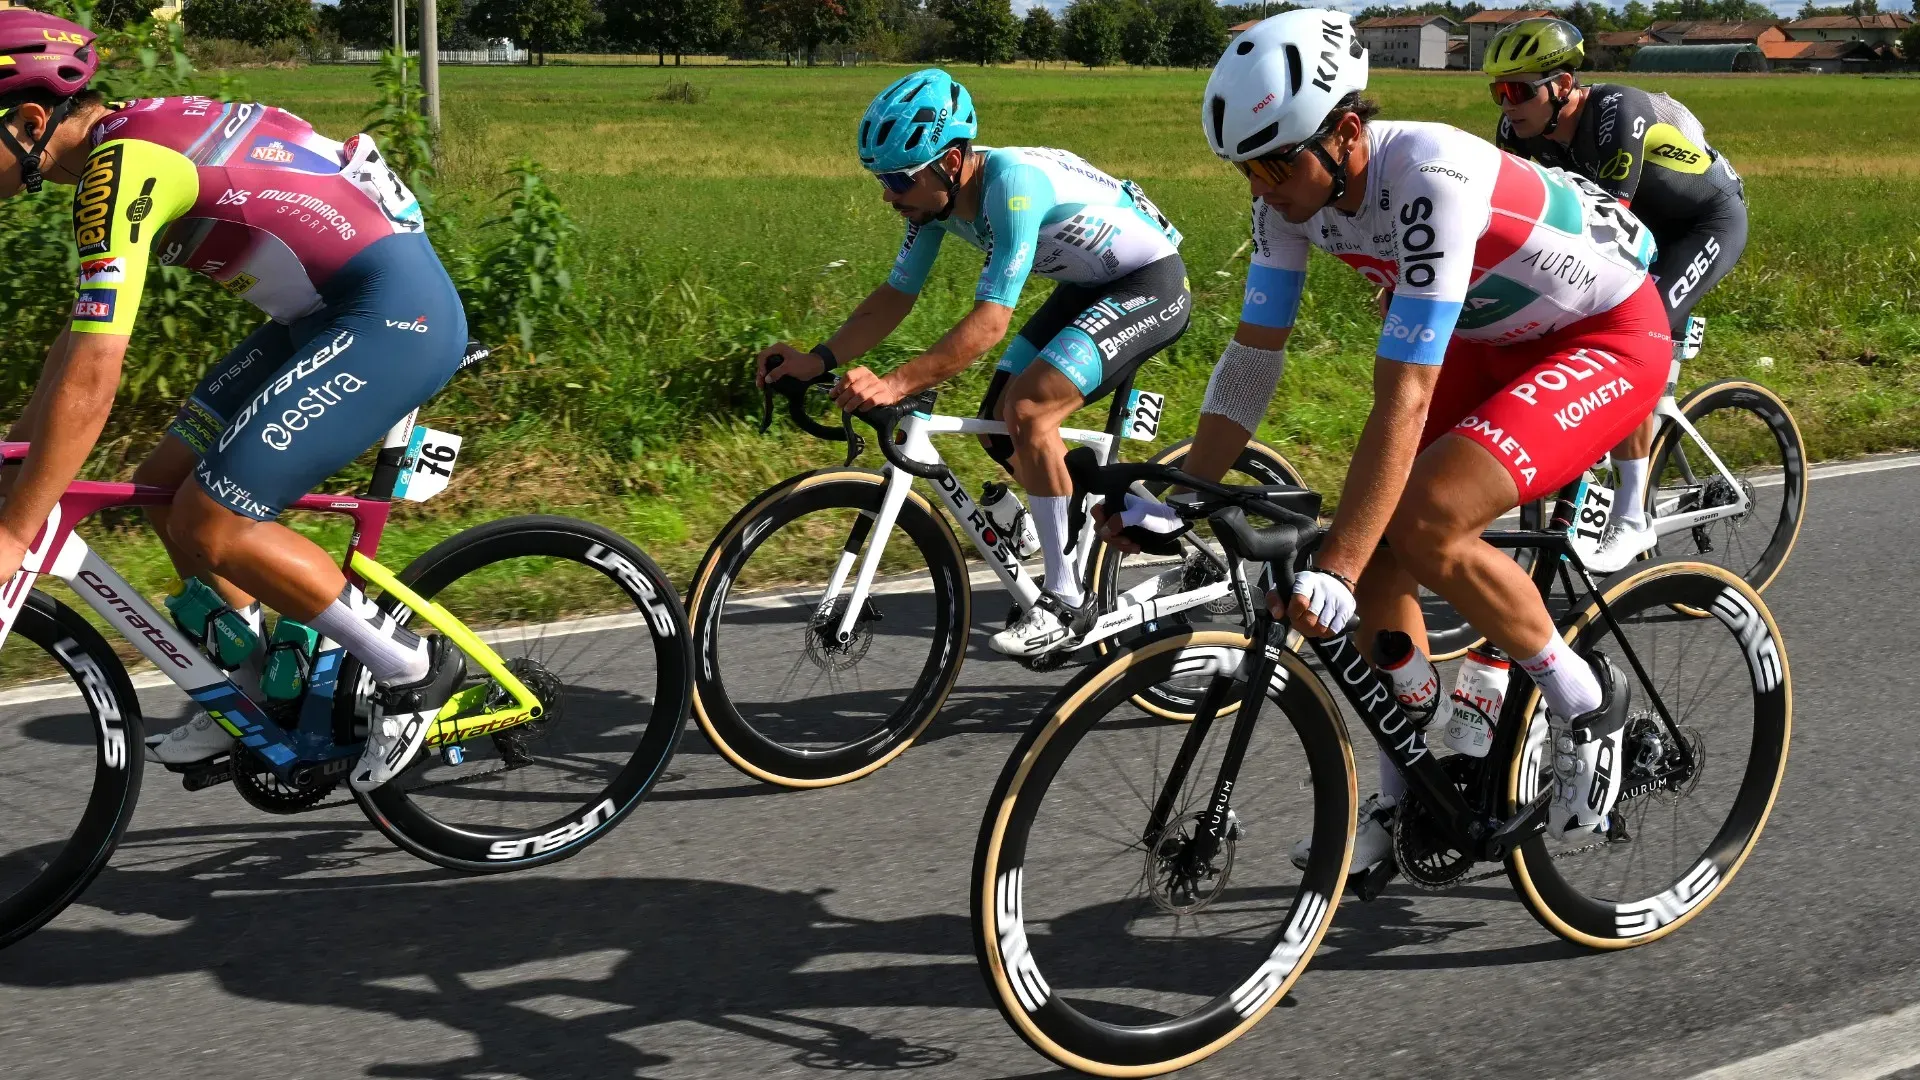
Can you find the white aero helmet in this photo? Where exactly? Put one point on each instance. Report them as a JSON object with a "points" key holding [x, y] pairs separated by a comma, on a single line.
{"points": [[1279, 81]]}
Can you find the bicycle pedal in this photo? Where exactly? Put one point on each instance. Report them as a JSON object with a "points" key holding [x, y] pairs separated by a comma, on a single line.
{"points": [[1522, 827], [1369, 884], [204, 775]]}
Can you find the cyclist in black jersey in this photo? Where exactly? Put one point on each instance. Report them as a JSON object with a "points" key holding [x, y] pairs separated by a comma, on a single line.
{"points": [[1649, 152]]}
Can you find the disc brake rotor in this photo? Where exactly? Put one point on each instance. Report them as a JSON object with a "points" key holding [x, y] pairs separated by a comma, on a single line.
{"points": [[822, 645], [1178, 880]]}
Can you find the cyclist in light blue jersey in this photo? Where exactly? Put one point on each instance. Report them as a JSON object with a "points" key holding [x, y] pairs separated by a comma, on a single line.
{"points": [[1121, 296]]}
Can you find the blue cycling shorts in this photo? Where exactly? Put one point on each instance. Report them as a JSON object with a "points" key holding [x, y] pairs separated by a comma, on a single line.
{"points": [[295, 402]]}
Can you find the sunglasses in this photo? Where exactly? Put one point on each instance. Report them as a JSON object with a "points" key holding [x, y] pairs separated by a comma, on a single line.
{"points": [[1272, 169], [901, 182], [1517, 93]]}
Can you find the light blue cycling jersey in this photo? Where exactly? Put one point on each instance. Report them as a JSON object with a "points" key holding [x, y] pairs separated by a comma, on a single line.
{"points": [[1045, 212]]}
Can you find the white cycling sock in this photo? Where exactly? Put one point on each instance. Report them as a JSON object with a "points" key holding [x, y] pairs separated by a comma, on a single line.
{"points": [[1567, 681], [1393, 786], [1630, 500], [1050, 521], [393, 654]]}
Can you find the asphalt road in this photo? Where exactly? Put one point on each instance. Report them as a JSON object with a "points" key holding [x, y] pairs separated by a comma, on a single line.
{"points": [[729, 929]]}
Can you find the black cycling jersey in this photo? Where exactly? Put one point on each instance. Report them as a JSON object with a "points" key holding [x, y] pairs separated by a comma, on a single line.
{"points": [[1649, 152]]}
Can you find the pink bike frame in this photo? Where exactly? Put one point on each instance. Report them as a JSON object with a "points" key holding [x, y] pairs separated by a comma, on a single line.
{"points": [[57, 551]]}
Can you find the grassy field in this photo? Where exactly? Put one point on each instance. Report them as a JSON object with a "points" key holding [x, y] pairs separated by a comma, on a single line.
{"points": [[710, 229]]}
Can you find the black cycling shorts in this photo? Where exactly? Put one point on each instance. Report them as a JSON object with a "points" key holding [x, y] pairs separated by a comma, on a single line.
{"points": [[1098, 335], [1691, 263]]}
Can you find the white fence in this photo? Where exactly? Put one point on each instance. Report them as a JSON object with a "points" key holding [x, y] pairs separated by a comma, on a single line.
{"points": [[498, 54]]}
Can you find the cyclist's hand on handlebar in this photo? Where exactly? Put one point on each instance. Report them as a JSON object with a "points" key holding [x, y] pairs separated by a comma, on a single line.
{"points": [[1321, 605], [1109, 528], [861, 389], [781, 359]]}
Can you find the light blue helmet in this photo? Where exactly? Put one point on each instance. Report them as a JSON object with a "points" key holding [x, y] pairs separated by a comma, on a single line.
{"points": [[913, 120]]}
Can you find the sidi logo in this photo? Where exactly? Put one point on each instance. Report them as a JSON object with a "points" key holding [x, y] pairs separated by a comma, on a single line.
{"points": [[418, 325]]}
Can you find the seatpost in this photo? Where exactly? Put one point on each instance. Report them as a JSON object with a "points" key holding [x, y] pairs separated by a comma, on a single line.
{"points": [[393, 453]]}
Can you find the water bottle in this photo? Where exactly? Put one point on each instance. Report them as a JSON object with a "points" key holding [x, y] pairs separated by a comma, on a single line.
{"points": [[1478, 690], [1413, 678], [1010, 519], [289, 659], [206, 617]]}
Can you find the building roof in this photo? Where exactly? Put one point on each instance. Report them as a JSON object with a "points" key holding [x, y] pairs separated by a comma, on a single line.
{"points": [[1883, 21], [1507, 15], [1455, 45], [1236, 28], [1817, 50], [1621, 39], [1704, 32], [1390, 22]]}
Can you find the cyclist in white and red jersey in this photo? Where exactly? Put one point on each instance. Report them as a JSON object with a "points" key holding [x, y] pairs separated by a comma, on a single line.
{"points": [[1522, 340], [363, 326]]}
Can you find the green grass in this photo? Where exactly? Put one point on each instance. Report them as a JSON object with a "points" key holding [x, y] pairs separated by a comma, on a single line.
{"points": [[712, 228]]}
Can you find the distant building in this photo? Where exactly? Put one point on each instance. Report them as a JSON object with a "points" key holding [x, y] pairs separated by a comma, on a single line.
{"points": [[1875, 30], [1824, 57], [1482, 27], [1457, 52], [1725, 56], [1406, 41], [1610, 50], [1755, 32]]}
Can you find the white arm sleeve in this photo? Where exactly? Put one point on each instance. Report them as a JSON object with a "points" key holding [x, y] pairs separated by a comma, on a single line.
{"points": [[1243, 383]]}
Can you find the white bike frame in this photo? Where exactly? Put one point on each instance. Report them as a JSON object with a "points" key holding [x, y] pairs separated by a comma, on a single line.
{"points": [[917, 433]]}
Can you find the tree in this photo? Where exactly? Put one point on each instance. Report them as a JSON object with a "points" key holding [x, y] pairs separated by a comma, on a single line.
{"points": [[1091, 33], [1910, 42], [256, 22], [1811, 10], [1144, 40], [368, 24], [1635, 16], [539, 26], [1040, 35], [984, 31], [1588, 18], [1197, 34], [668, 26], [107, 14]]}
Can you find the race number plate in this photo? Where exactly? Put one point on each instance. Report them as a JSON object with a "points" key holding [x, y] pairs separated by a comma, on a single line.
{"points": [[428, 465], [1592, 509], [1143, 415], [1696, 336]]}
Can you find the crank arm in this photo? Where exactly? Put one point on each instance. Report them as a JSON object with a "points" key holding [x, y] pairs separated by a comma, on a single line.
{"points": [[1530, 822]]}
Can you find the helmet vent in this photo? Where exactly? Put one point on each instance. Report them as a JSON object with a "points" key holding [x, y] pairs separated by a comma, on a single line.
{"points": [[909, 93], [866, 128], [1243, 48], [913, 140], [886, 129], [1295, 71], [1219, 110], [926, 115], [1258, 139], [1353, 48]]}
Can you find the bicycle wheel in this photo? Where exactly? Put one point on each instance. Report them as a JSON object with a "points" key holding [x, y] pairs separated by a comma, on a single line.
{"points": [[779, 696], [1102, 950], [588, 623], [70, 762], [1751, 431], [1112, 575], [1449, 635], [1678, 834]]}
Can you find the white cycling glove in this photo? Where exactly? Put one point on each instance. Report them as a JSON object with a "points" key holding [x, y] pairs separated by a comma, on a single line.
{"points": [[1151, 515], [1327, 597]]}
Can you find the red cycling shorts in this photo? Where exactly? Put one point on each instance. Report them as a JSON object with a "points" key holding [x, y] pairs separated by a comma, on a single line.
{"points": [[1547, 409]]}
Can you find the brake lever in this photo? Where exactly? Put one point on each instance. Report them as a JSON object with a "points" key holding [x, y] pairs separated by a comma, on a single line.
{"points": [[856, 443]]}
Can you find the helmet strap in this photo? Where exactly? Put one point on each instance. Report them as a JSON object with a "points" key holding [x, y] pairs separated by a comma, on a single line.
{"points": [[30, 159], [951, 182], [1336, 169], [1559, 103]]}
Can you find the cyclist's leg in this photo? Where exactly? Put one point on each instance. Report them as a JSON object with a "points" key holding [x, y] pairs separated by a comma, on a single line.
{"points": [[1688, 267], [1107, 340], [349, 377]]}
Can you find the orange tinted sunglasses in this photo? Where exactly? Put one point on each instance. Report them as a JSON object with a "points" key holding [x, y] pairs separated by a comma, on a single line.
{"points": [[1272, 169], [1517, 93]]}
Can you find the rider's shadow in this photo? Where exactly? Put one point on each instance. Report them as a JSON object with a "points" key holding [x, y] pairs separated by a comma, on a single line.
{"points": [[551, 978]]}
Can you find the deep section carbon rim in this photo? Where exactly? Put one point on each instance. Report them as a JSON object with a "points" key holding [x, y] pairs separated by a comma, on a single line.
{"points": [[1754, 434]]}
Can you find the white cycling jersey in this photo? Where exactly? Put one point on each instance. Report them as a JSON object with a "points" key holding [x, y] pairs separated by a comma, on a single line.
{"points": [[1472, 242]]}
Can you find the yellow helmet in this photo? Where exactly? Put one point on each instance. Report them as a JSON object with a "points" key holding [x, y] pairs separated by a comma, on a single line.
{"points": [[1535, 47]]}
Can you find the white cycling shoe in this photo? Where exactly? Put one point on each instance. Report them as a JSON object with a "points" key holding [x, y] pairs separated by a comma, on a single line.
{"points": [[1623, 542], [403, 716], [197, 740], [1048, 626], [1587, 768], [1372, 840]]}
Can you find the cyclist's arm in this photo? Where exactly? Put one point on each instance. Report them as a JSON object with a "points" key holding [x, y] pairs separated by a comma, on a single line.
{"points": [[972, 337], [70, 407], [880, 314], [1625, 117], [1381, 462]]}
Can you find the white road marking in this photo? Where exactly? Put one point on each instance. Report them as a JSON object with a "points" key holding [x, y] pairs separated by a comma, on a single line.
{"points": [[146, 678], [1863, 1051]]}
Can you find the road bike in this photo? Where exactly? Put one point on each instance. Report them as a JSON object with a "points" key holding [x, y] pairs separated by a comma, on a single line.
{"points": [[1134, 905], [824, 647], [1727, 484], [557, 733]]}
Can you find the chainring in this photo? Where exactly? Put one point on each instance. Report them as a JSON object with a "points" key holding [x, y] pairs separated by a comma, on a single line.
{"points": [[264, 791], [828, 654], [1427, 859]]}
